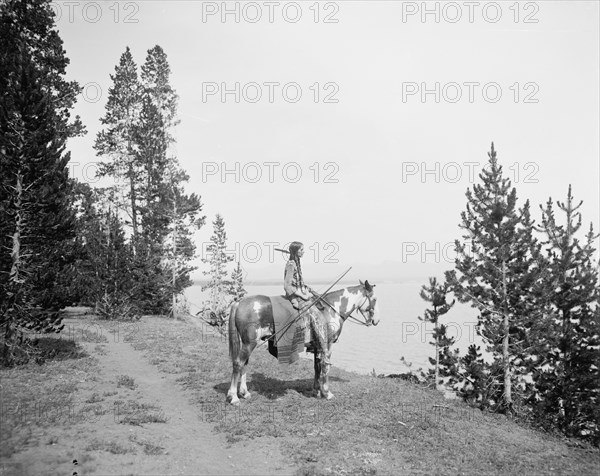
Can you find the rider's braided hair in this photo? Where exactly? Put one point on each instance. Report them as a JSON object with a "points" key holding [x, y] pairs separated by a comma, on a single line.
{"points": [[294, 248]]}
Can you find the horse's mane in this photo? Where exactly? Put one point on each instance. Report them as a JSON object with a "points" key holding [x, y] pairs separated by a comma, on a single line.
{"points": [[337, 293]]}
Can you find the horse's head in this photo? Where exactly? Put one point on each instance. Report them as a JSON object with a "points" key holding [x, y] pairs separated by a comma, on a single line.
{"points": [[369, 305]]}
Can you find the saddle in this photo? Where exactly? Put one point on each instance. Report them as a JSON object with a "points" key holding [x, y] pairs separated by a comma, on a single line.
{"points": [[300, 305]]}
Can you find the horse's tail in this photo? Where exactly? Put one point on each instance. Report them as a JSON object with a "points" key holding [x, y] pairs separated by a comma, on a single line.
{"points": [[234, 335]]}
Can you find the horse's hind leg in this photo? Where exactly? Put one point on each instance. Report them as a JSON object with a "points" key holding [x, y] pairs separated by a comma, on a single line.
{"points": [[244, 357], [238, 376], [235, 378]]}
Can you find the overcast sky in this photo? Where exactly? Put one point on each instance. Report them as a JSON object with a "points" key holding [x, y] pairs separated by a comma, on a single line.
{"points": [[362, 134]]}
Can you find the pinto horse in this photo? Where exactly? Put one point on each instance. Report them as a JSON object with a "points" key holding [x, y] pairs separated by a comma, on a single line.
{"points": [[251, 320]]}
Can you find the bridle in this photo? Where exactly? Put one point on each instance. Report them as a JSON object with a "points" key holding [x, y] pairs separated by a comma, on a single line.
{"points": [[368, 320]]}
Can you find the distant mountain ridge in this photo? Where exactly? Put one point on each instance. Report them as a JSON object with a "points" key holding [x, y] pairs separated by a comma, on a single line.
{"points": [[322, 273]]}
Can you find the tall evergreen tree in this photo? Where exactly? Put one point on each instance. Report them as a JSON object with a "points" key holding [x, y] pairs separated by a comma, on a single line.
{"points": [[28, 25], [151, 159], [156, 74], [499, 274], [154, 136], [170, 215], [566, 376], [445, 360], [36, 218], [140, 117], [116, 142]]}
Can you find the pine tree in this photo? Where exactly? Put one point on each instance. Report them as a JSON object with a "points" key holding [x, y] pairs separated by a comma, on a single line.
{"points": [[236, 287], [116, 142], [566, 375], [141, 116], [170, 217], [444, 359], [153, 137], [36, 218], [499, 272], [28, 26], [151, 159], [217, 259], [155, 80]]}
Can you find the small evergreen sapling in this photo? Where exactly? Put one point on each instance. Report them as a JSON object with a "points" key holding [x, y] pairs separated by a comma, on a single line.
{"points": [[445, 360], [218, 285]]}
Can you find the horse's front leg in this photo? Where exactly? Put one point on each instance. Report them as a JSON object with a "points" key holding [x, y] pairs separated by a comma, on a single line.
{"points": [[323, 359], [324, 380], [316, 383]]}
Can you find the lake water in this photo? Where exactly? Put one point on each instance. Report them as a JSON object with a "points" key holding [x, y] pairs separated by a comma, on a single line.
{"points": [[399, 333]]}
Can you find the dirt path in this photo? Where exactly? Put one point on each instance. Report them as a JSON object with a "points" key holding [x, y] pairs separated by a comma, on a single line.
{"points": [[122, 438], [190, 446]]}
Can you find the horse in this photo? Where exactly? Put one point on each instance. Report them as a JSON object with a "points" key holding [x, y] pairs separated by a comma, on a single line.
{"points": [[251, 320]]}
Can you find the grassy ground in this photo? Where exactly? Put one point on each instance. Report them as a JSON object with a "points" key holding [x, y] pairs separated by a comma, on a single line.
{"points": [[372, 426]]}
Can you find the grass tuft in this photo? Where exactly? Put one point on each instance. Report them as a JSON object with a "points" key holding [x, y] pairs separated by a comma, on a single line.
{"points": [[149, 448], [134, 413], [110, 447], [126, 381], [94, 398]]}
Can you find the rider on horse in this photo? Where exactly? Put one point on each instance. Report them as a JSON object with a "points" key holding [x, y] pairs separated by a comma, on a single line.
{"points": [[301, 298], [295, 290], [254, 318]]}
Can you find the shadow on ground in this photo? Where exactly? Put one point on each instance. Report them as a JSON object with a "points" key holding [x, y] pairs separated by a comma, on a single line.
{"points": [[273, 388], [51, 348]]}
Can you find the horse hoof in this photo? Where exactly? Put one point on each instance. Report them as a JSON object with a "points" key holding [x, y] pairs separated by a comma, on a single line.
{"points": [[317, 393], [233, 400], [246, 395], [329, 396]]}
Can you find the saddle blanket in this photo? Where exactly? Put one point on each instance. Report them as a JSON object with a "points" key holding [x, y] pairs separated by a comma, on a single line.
{"points": [[290, 331]]}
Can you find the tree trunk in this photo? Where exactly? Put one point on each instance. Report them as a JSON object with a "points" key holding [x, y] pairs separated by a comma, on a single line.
{"points": [[14, 276], [134, 223], [16, 238], [174, 264], [437, 352], [437, 366], [149, 214], [505, 344]]}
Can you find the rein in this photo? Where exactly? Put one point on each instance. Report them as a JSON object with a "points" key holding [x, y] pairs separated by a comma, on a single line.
{"points": [[305, 310], [349, 314]]}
